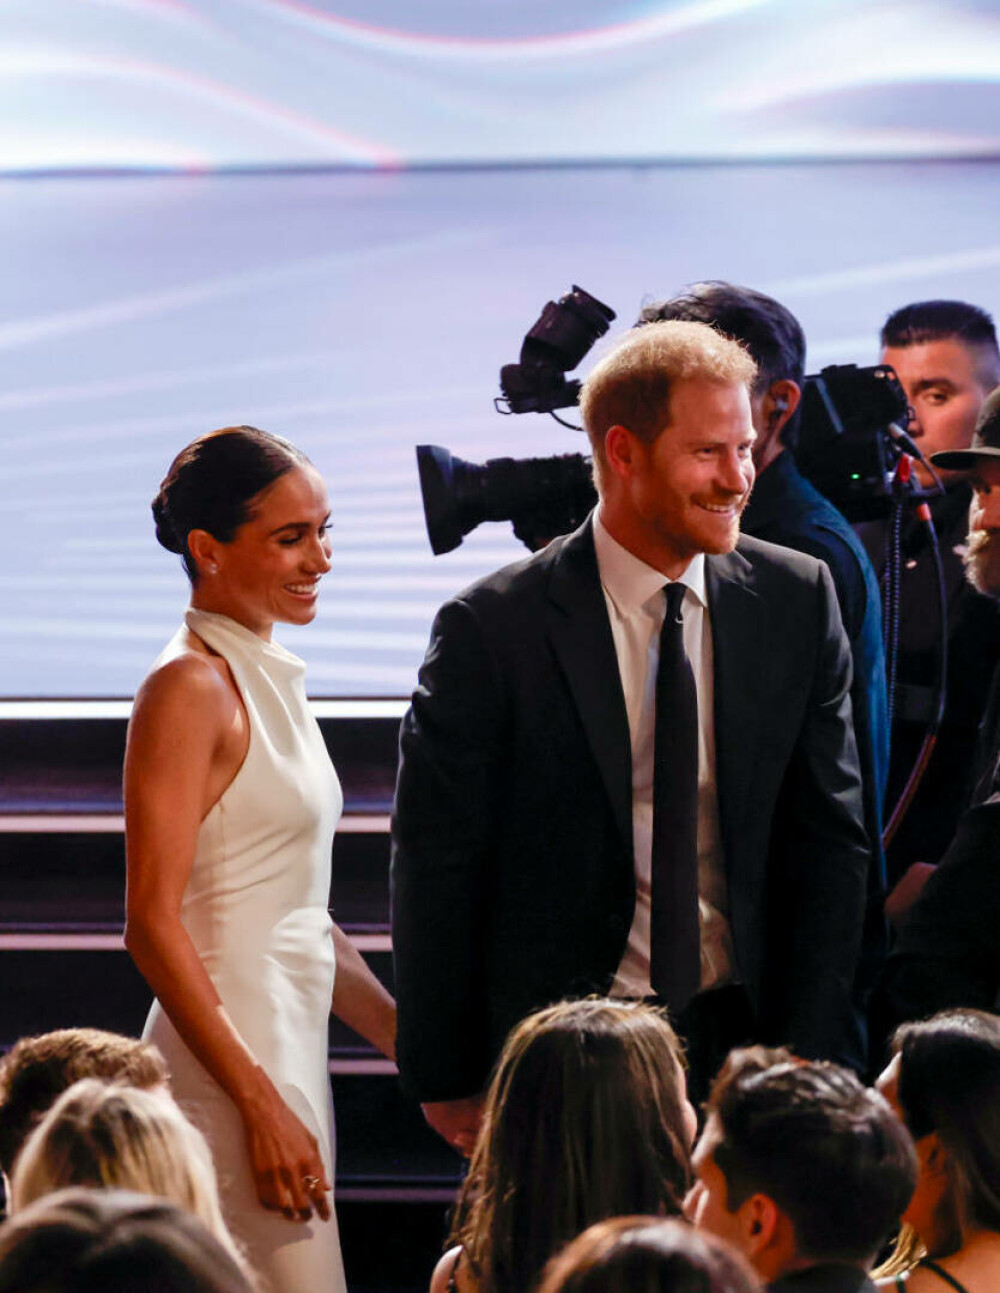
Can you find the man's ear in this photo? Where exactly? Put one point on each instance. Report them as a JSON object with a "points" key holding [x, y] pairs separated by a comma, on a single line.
{"points": [[780, 402], [620, 447], [759, 1218]]}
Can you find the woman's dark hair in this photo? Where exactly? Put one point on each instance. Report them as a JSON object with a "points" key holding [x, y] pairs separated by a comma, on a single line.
{"points": [[92, 1241], [584, 1120], [648, 1255], [212, 483], [949, 1083]]}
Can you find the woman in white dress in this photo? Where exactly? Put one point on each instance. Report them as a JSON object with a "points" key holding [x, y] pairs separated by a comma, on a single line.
{"points": [[230, 807]]}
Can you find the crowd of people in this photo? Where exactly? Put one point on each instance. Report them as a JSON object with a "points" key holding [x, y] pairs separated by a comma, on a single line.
{"points": [[589, 1173], [643, 968]]}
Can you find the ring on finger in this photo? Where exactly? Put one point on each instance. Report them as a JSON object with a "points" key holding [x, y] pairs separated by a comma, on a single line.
{"points": [[312, 1183]]}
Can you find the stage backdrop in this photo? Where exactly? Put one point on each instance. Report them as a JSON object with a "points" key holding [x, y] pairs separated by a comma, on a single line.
{"points": [[338, 221]]}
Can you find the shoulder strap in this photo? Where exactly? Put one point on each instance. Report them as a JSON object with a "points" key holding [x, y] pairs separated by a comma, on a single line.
{"points": [[943, 1274]]}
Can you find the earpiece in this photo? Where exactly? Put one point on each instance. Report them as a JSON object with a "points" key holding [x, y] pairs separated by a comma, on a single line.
{"points": [[779, 406]]}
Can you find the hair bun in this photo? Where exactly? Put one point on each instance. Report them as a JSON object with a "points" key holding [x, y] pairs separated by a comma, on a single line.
{"points": [[166, 533]]}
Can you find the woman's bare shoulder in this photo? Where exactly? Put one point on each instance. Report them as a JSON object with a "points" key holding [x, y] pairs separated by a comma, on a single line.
{"points": [[185, 673], [453, 1264]]}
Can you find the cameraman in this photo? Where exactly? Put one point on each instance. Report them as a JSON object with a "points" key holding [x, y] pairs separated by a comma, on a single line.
{"points": [[946, 357], [786, 509]]}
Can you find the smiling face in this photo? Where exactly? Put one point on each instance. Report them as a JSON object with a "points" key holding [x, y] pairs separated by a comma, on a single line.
{"points": [[684, 492], [270, 571], [945, 387]]}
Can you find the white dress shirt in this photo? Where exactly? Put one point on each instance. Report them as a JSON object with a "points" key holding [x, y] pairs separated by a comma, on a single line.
{"points": [[634, 595]]}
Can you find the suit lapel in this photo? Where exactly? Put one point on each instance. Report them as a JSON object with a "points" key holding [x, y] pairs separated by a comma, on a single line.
{"points": [[580, 634], [737, 628]]}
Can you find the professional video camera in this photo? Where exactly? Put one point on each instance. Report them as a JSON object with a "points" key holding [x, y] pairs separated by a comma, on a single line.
{"points": [[541, 497], [850, 438]]}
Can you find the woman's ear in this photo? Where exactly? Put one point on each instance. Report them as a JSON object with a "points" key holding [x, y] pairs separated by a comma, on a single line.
{"points": [[204, 550], [935, 1157]]}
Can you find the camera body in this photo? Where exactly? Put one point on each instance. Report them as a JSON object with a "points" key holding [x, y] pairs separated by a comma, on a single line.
{"points": [[849, 436], [556, 344]]}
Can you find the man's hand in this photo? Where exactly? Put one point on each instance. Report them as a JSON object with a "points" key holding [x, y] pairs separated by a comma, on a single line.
{"points": [[907, 891], [457, 1120]]}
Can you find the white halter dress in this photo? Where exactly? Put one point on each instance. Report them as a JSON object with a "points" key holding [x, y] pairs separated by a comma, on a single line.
{"points": [[256, 909]]}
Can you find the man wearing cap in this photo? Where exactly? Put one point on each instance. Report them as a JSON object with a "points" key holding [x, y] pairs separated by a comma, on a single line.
{"points": [[948, 953]]}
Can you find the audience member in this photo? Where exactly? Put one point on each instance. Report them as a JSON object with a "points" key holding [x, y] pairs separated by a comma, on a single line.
{"points": [[944, 1082], [111, 1241], [946, 356], [587, 1117], [106, 1136], [648, 1255], [786, 509], [38, 1069], [801, 1167]]}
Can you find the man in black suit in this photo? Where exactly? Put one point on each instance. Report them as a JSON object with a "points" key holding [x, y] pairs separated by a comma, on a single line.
{"points": [[786, 509], [530, 857], [803, 1170]]}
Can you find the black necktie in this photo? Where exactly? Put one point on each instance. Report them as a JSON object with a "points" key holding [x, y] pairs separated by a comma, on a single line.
{"points": [[675, 957]]}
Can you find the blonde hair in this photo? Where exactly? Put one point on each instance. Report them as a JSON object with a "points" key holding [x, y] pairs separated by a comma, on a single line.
{"points": [[37, 1070], [631, 386], [107, 1136]]}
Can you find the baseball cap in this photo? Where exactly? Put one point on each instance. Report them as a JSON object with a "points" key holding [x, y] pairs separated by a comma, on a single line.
{"points": [[985, 441]]}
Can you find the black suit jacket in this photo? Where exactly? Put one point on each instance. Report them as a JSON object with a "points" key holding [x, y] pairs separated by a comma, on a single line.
{"points": [[513, 870]]}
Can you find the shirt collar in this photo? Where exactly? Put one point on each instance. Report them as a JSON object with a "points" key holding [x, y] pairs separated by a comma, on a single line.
{"points": [[629, 581]]}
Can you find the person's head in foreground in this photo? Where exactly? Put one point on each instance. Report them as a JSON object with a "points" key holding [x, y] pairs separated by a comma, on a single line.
{"points": [[944, 1082], [669, 420], [587, 1117], [946, 357], [981, 460], [117, 1137], [36, 1070], [799, 1164], [112, 1241], [648, 1255], [249, 515]]}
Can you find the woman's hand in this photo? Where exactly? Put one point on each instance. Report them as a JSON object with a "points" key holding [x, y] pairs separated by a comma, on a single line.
{"points": [[287, 1166]]}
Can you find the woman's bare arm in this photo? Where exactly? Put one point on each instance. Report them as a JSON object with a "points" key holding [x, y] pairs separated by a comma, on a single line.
{"points": [[360, 1000], [181, 732]]}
